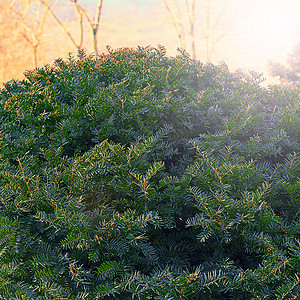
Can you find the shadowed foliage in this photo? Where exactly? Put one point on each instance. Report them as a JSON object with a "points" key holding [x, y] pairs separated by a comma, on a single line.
{"points": [[134, 175]]}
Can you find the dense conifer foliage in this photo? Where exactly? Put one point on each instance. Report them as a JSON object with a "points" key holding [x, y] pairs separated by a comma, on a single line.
{"points": [[134, 175]]}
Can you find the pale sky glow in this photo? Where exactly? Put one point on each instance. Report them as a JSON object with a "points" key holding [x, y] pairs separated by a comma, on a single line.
{"points": [[255, 31], [264, 29], [271, 23]]}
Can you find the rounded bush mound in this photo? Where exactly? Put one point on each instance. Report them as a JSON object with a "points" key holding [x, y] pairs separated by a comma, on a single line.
{"points": [[134, 175]]}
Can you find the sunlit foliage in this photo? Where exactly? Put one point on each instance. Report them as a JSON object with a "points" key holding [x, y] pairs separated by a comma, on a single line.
{"points": [[134, 175]]}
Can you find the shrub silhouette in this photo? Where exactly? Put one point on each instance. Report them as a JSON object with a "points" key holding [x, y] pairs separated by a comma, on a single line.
{"points": [[134, 175]]}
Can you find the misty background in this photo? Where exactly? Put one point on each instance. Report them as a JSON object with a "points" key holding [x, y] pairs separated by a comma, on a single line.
{"points": [[243, 34]]}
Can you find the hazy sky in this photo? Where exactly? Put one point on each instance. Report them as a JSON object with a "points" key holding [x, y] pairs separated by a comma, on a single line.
{"points": [[135, 2], [255, 31]]}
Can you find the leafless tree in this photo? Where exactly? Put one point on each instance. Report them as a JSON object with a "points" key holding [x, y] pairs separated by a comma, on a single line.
{"points": [[210, 32], [177, 20], [81, 13], [31, 16], [189, 15], [10, 42], [94, 24], [64, 27]]}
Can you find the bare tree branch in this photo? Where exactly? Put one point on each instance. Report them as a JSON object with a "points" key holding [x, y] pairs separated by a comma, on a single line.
{"points": [[63, 27], [176, 21], [209, 23], [191, 16], [207, 30], [80, 17], [210, 29], [94, 24], [32, 36]]}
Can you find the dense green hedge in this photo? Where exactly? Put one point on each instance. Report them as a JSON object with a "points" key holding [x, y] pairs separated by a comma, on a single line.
{"points": [[134, 175]]}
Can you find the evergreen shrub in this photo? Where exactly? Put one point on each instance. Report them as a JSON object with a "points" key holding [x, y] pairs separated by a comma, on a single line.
{"points": [[134, 175]]}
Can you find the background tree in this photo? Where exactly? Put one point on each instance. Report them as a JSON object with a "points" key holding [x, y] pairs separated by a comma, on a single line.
{"points": [[11, 40], [177, 16], [31, 16], [81, 13], [210, 27], [199, 22], [31, 25], [289, 73], [94, 24], [64, 27]]}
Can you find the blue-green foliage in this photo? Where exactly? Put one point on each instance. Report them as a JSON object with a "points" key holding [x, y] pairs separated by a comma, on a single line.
{"points": [[134, 175]]}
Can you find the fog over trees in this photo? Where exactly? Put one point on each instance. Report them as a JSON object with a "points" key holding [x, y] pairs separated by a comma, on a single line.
{"points": [[289, 73]]}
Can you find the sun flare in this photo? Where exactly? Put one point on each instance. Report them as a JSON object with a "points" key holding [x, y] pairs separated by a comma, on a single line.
{"points": [[273, 23]]}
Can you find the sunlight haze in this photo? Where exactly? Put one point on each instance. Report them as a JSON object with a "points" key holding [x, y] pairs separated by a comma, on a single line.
{"points": [[243, 34], [254, 32]]}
